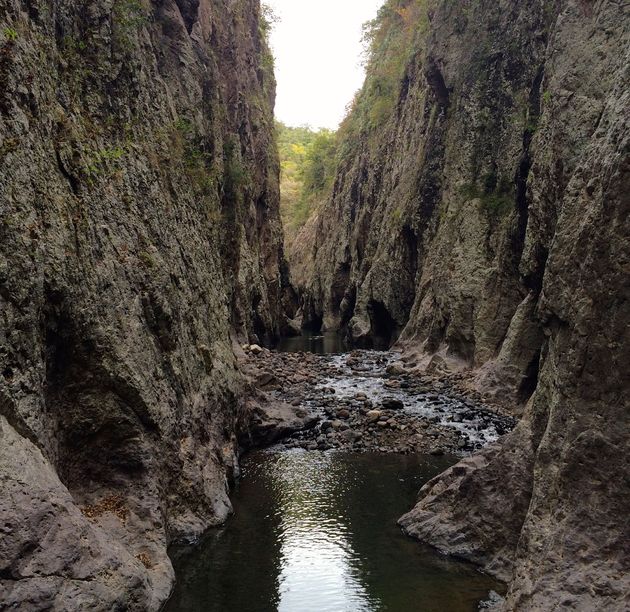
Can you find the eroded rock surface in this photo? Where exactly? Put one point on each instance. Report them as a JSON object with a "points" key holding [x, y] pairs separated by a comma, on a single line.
{"points": [[487, 222], [139, 226]]}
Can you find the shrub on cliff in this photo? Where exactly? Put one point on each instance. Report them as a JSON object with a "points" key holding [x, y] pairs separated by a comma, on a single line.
{"points": [[390, 40]]}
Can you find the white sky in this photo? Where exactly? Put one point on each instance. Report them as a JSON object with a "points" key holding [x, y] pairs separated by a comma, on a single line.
{"points": [[317, 46]]}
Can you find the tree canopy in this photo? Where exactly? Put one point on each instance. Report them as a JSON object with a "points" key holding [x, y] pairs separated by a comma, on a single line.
{"points": [[307, 171]]}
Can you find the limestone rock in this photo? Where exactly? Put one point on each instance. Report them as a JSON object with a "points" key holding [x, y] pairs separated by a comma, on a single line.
{"points": [[373, 415], [255, 349]]}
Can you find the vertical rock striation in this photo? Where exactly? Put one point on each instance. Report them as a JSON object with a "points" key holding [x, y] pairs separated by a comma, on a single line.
{"points": [[487, 220], [139, 227]]}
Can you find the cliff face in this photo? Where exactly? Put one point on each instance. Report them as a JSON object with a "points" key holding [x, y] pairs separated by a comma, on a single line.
{"points": [[139, 227], [425, 230], [487, 221]]}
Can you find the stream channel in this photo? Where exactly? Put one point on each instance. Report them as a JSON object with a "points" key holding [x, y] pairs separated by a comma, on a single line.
{"points": [[316, 531]]}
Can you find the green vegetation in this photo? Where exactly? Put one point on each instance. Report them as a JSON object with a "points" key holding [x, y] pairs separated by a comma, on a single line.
{"points": [[80, 63], [307, 166], [70, 45], [146, 259], [10, 34], [8, 146], [532, 125], [268, 20], [235, 176], [200, 167], [103, 159], [128, 17], [496, 196], [319, 167], [397, 217], [391, 40], [130, 14]]}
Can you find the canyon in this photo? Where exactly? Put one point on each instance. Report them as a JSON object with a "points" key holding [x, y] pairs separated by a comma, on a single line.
{"points": [[478, 222]]}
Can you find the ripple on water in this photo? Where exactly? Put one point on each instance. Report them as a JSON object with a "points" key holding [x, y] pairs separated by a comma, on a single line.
{"points": [[317, 532]]}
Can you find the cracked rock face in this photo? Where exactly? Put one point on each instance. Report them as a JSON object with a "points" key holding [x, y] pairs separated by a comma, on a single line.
{"points": [[490, 224], [139, 227]]}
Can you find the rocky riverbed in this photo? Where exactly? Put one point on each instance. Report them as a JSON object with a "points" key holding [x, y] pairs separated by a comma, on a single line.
{"points": [[371, 401]]}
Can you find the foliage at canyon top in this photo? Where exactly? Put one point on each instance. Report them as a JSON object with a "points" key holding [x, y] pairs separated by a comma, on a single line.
{"points": [[310, 158], [307, 170], [391, 39]]}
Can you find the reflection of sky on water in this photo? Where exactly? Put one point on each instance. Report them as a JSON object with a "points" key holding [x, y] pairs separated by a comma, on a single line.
{"points": [[318, 568], [316, 532], [319, 573]]}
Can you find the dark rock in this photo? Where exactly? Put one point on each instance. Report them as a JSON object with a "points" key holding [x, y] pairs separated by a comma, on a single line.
{"points": [[391, 403]]}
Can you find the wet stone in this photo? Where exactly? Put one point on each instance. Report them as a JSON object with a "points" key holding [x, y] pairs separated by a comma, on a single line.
{"points": [[392, 403], [363, 397]]}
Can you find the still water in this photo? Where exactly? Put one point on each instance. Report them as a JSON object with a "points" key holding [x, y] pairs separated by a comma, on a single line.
{"points": [[321, 344], [316, 532]]}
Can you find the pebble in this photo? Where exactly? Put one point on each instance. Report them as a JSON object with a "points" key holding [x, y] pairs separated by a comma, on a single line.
{"points": [[360, 422], [373, 416]]}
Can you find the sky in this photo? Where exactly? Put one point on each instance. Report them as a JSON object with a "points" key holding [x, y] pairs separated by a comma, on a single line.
{"points": [[317, 46]]}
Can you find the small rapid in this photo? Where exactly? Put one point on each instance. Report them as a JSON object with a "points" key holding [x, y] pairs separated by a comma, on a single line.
{"points": [[381, 405], [477, 424]]}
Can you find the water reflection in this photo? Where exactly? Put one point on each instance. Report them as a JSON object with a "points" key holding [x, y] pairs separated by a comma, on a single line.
{"points": [[317, 532], [317, 561], [321, 344]]}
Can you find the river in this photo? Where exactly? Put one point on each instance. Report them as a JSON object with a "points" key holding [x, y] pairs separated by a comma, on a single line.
{"points": [[316, 531]]}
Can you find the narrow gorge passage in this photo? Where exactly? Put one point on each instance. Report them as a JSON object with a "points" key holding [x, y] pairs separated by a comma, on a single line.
{"points": [[315, 514], [213, 212]]}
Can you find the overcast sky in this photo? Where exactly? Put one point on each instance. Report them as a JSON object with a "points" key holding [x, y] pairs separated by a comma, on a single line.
{"points": [[317, 46]]}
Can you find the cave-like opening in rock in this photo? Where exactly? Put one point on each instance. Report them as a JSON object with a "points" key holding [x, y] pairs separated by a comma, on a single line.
{"points": [[530, 380], [314, 324], [383, 327]]}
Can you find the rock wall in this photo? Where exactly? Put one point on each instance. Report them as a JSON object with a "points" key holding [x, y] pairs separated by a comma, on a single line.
{"points": [[488, 221], [425, 228], [139, 236]]}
